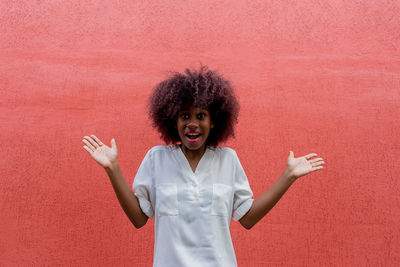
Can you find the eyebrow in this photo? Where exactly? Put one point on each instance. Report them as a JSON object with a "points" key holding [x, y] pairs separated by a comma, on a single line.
{"points": [[186, 110]]}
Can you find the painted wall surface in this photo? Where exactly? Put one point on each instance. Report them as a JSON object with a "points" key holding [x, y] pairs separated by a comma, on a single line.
{"points": [[311, 76]]}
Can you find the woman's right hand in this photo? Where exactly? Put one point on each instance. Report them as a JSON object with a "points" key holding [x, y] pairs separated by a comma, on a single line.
{"points": [[102, 154]]}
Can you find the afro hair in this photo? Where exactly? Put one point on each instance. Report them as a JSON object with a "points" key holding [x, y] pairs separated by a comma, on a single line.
{"points": [[203, 88]]}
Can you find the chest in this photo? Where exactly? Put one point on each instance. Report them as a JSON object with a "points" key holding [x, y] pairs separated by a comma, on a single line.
{"points": [[181, 191], [190, 200]]}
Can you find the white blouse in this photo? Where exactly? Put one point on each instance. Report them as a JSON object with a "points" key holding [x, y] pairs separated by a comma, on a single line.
{"points": [[192, 210]]}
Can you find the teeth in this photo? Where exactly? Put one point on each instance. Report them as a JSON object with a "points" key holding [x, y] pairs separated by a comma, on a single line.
{"points": [[193, 136]]}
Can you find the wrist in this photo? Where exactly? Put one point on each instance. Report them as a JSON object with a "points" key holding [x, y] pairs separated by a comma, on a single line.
{"points": [[289, 176], [112, 166]]}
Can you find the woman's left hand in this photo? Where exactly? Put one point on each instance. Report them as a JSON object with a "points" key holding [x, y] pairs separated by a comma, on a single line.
{"points": [[301, 166]]}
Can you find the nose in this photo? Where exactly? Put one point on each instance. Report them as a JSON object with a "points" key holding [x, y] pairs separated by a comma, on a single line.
{"points": [[193, 123]]}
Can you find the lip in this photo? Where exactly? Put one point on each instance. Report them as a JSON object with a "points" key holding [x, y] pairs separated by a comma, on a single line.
{"points": [[193, 132], [193, 140]]}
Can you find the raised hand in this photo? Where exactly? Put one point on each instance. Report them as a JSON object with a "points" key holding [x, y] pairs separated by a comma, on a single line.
{"points": [[301, 166], [102, 154]]}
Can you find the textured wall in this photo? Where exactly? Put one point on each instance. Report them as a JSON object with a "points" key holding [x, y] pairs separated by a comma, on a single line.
{"points": [[312, 76]]}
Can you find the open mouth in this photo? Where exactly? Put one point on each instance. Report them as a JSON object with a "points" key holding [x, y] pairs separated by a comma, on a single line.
{"points": [[192, 136]]}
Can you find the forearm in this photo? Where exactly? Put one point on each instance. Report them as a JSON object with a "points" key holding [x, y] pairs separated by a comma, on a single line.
{"points": [[126, 198], [264, 203]]}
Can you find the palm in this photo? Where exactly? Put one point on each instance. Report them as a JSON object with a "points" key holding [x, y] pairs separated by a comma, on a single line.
{"points": [[104, 155], [303, 165], [101, 153]]}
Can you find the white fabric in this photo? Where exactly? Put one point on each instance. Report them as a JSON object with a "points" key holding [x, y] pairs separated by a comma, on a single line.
{"points": [[192, 211]]}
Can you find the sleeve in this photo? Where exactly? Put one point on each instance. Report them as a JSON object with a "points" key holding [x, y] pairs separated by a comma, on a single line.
{"points": [[143, 185], [242, 198]]}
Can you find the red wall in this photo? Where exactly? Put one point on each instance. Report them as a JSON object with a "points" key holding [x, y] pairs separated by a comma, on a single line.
{"points": [[312, 76]]}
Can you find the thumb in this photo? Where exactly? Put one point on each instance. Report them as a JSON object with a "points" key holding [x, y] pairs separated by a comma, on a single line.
{"points": [[291, 155], [113, 144]]}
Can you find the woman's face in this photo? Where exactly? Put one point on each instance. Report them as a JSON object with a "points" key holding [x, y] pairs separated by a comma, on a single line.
{"points": [[194, 126]]}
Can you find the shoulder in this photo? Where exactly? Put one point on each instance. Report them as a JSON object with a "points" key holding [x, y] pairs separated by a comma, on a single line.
{"points": [[225, 153], [158, 148], [161, 150], [224, 150]]}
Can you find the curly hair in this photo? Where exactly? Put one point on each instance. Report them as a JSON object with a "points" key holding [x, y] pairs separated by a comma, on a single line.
{"points": [[205, 89]]}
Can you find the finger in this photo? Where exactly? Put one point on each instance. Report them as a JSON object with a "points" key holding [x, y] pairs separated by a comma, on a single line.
{"points": [[317, 163], [113, 144], [309, 156], [291, 154], [88, 150], [97, 140], [94, 143], [316, 168], [89, 145], [315, 160]]}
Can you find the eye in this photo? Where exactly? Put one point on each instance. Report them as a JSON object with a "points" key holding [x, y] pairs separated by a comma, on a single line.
{"points": [[201, 116], [185, 116]]}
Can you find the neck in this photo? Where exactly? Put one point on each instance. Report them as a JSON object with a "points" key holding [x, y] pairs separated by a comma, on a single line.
{"points": [[193, 154]]}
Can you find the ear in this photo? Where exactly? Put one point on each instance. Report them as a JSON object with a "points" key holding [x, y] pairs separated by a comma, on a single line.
{"points": [[212, 125]]}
